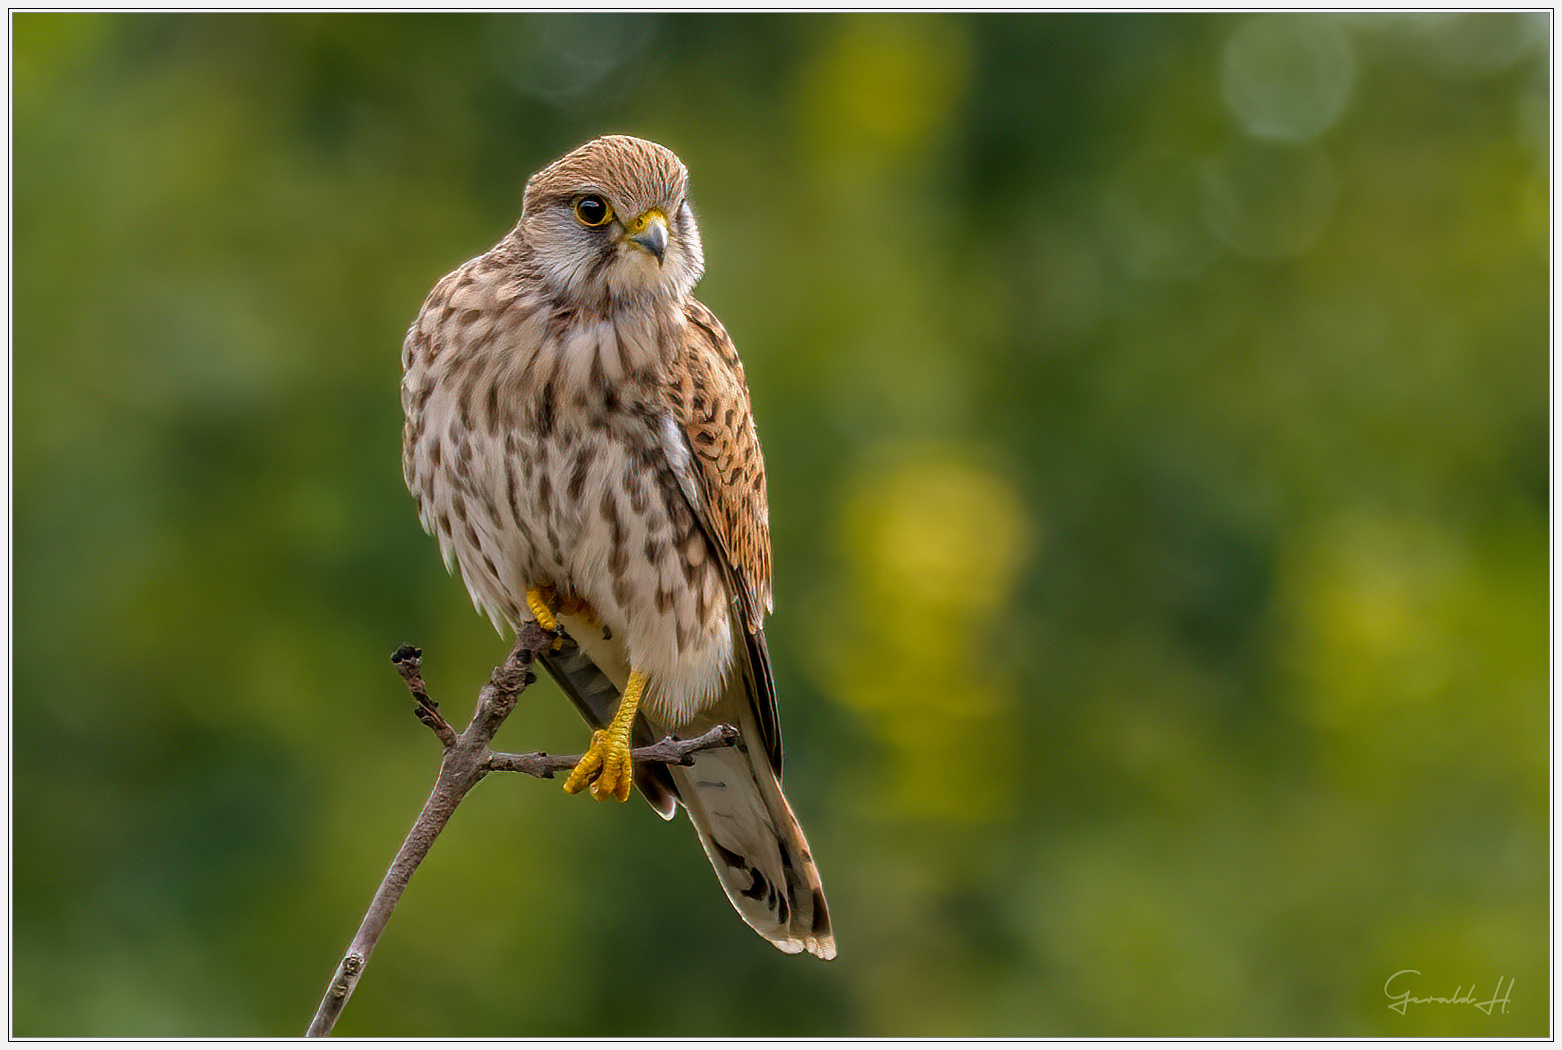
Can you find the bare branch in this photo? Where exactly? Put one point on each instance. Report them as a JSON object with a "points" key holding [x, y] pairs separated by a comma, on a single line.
{"points": [[498, 697], [670, 750], [409, 664], [467, 759], [442, 801]]}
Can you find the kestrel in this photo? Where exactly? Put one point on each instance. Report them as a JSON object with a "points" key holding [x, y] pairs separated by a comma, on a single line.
{"points": [[579, 438]]}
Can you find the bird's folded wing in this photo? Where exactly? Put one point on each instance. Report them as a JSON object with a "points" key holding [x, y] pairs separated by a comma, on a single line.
{"points": [[714, 449]]}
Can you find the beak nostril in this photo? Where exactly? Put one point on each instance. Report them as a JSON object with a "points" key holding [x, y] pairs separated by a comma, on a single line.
{"points": [[649, 231]]}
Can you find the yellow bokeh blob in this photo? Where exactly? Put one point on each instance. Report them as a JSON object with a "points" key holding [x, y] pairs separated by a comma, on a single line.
{"points": [[882, 86], [933, 546]]}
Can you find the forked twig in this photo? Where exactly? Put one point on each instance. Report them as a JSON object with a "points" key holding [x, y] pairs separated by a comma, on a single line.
{"points": [[467, 759]]}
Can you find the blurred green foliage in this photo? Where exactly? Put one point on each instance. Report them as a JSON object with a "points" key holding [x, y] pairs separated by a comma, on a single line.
{"points": [[1157, 420]]}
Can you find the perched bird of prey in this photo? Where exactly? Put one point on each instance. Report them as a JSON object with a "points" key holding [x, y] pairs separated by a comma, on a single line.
{"points": [[579, 438]]}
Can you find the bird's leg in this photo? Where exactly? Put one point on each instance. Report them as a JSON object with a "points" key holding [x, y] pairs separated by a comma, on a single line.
{"points": [[540, 601], [605, 765]]}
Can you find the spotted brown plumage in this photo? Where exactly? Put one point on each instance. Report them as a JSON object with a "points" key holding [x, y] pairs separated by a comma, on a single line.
{"points": [[579, 438]]}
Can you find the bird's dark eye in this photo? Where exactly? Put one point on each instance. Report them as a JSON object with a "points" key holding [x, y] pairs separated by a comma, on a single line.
{"points": [[592, 210]]}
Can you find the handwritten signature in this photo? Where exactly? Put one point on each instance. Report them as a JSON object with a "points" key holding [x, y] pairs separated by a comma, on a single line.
{"points": [[1401, 1000]]}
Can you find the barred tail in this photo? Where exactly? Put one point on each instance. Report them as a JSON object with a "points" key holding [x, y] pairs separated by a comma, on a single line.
{"points": [[754, 840]]}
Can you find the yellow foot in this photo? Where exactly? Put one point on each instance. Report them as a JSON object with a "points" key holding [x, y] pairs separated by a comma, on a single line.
{"points": [[540, 601], [606, 766], [544, 599]]}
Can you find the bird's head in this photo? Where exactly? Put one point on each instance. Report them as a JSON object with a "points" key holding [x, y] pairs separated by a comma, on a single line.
{"points": [[611, 222]]}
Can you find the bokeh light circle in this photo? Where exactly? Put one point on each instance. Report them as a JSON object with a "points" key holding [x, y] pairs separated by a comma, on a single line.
{"points": [[1288, 77]]}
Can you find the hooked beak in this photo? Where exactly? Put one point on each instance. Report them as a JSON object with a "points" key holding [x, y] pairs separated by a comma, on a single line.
{"points": [[649, 231]]}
